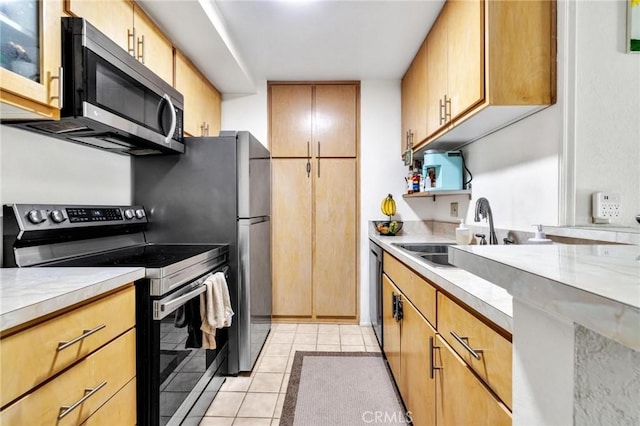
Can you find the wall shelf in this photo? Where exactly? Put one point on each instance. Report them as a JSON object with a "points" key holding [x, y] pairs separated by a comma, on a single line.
{"points": [[435, 194]]}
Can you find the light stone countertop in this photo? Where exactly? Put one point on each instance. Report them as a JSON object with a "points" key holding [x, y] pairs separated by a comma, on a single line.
{"points": [[489, 300], [29, 293], [597, 286]]}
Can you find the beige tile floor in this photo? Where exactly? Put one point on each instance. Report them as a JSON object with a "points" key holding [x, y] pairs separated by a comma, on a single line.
{"points": [[256, 399]]}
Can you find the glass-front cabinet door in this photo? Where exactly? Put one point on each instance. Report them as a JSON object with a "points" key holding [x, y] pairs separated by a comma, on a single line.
{"points": [[30, 58]]}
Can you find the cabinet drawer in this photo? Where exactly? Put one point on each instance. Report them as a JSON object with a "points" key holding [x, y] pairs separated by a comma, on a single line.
{"points": [[493, 362], [119, 410], [114, 365], [36, 351], [419, 291]]}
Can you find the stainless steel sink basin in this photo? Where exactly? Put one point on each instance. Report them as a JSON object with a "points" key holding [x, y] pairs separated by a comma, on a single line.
{"points": [[424, 247], [435, 254]]}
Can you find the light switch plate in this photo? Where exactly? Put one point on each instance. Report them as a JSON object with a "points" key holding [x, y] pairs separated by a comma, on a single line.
{"points": [[605, 207]]}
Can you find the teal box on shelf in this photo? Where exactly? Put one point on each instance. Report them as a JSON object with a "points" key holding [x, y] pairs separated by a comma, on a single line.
{"points": [[442, 170]]}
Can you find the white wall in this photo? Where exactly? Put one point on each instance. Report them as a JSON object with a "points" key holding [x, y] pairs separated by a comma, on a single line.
{"points": [[39, 169], [247, 112], [607, 87], [381, 168]]}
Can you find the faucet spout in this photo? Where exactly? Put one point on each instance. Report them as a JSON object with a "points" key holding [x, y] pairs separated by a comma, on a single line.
{"points": [[483, 209]]}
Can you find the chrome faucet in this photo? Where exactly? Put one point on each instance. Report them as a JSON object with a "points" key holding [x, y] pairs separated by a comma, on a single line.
{"points": [[484, 209]]}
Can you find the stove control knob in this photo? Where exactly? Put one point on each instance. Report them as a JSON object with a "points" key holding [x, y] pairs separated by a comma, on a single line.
{"points": [[129, 214], [140, 213], [57, 216], [36, 216]]}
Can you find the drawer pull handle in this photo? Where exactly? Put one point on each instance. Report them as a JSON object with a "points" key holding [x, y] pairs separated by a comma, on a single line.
{"points": [[85, 334], [89, 392], [463, 341], [432, 367]]}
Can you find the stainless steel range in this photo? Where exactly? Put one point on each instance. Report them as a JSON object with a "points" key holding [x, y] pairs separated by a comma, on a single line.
{"points": [[176, 378]]}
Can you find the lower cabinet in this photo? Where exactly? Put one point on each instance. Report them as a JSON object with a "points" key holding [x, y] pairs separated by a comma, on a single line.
{"points": [[86, 368], [437, 385], [407, 336], [461, 397]]}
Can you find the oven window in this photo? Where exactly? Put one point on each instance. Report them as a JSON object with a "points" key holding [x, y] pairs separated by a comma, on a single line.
{"points": [[181, 365]]}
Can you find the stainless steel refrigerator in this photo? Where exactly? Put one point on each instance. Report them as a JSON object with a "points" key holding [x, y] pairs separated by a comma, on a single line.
{"points": [[219, 191]]}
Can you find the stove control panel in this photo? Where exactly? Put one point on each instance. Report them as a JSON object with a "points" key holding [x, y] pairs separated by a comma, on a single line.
{"points": [[31, 217]]}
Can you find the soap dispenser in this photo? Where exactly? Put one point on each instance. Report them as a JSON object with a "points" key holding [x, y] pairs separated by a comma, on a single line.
{"points": [[539, 237], [463, 234]]}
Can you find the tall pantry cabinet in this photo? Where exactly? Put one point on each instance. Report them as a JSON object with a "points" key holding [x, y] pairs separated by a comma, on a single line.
{"points": [[314, 147]]}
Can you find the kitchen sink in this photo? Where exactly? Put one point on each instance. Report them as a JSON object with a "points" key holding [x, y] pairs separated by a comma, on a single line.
{"points": [[436, 254]]}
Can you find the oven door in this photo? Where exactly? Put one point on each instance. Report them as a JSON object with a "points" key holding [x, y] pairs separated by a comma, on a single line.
{"points": [[182, 378]]}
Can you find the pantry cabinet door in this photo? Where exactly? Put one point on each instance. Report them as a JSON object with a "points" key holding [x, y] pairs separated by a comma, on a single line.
{"points": [[290, 120], [334, 260], [291, 241], [335, 118]]}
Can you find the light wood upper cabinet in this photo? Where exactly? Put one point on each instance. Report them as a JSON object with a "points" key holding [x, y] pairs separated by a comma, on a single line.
{"points": [[31, 84], [334, 265], [335, 119], [476, 62], [126, 24], [414, 105], [291, 236], [290, 121], [437, 73], [202, 101], [313, 120], [465, 65], [152, 48], [455, 68]]}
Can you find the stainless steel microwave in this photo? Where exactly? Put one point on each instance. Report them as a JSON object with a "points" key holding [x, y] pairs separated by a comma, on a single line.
{"points": [[110, 100]]}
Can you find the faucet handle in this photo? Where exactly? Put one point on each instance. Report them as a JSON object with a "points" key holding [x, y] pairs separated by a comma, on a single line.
{"points": [[482, 242], [507, 241]]}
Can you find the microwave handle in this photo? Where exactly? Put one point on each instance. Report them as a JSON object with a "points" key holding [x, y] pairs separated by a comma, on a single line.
{"points": [[172, 128]]}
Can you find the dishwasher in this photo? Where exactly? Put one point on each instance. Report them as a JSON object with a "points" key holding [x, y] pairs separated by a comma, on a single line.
{"points": [[375, 289]]}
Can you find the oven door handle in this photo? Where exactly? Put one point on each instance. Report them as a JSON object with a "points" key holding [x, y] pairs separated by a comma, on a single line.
{"points": [[162, 308]]}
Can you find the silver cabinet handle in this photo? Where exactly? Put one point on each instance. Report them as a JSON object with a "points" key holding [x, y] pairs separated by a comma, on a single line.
{"points": [[89, 392], [463, 342], [432, 367], [84, 335], [141, 49], [308, 159], [442, 113], [131, 35], [162, 308], [60, 78], [447, 102], [206, 129]]}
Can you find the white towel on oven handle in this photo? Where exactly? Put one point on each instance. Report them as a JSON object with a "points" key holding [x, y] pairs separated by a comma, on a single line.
{"points": [[215, 308]]}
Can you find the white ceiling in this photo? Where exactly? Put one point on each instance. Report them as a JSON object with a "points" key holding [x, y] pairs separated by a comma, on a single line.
{"points": [[237, 43]]}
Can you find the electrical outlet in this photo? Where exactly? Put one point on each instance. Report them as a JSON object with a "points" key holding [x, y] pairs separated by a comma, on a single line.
{"points": [[606, 207], [454, 209]]}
